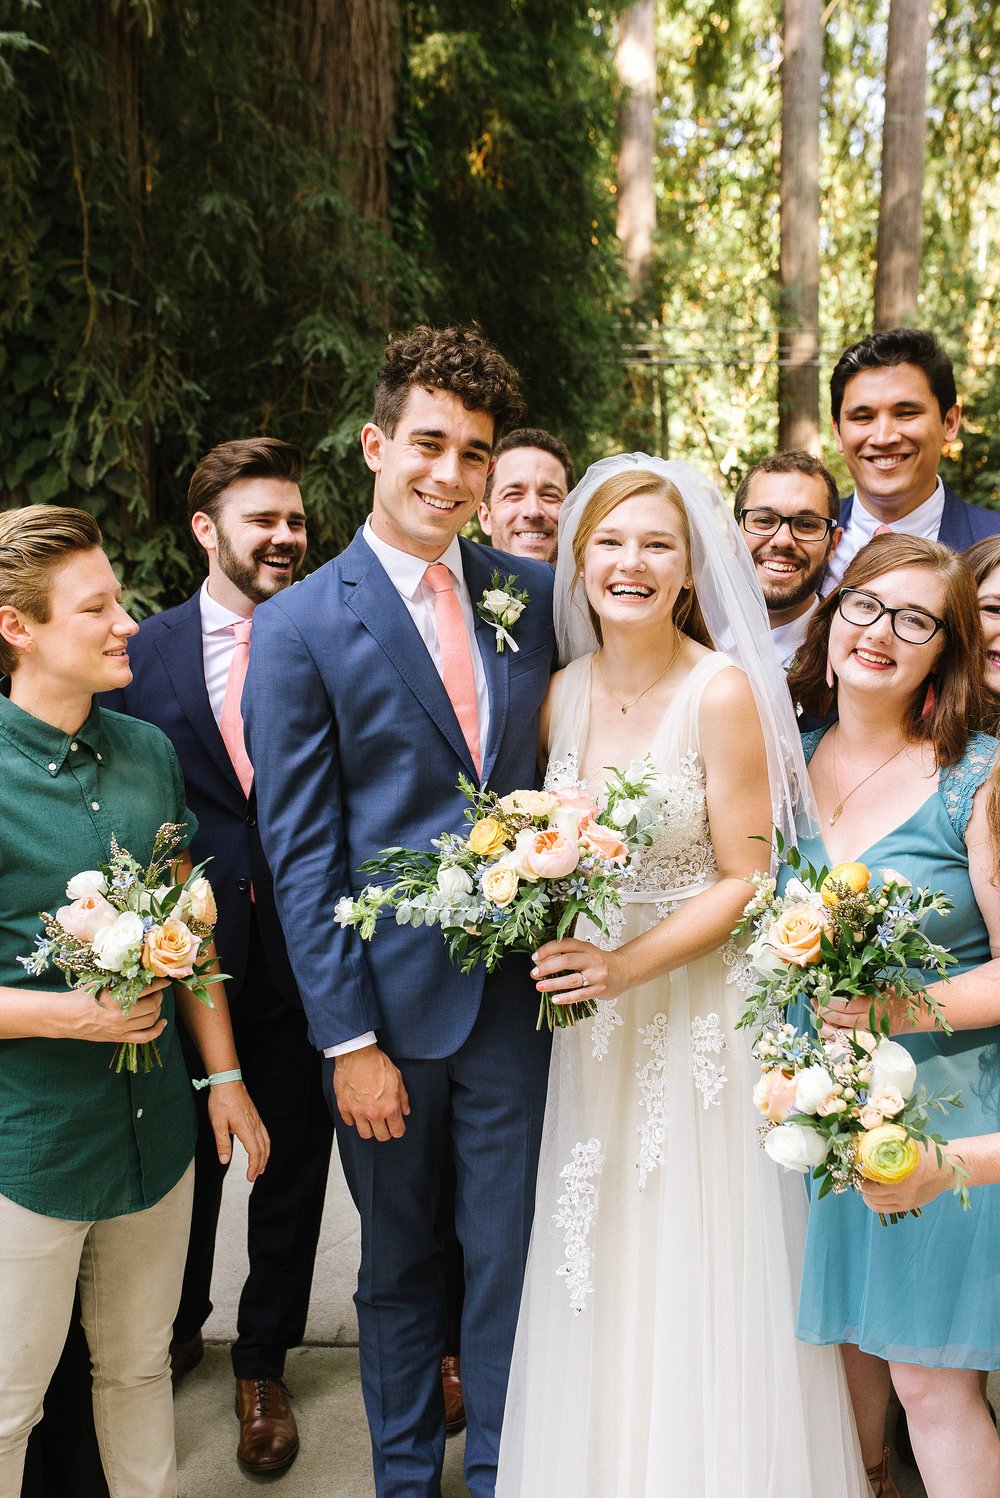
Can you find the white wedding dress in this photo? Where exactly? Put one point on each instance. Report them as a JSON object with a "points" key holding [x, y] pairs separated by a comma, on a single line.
{"points": [[656, 1354]]}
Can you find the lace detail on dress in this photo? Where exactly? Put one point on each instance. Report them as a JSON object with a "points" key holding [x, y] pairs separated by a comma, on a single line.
{"points": [[578, 1209], [681, 852], [959, 785], [652, 1079], [708, 1040], [739, 969], [606, 1021], [563, 772]]}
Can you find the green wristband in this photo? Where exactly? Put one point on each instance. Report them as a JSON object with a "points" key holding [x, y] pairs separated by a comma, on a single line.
{"points": [[216, 1078]]}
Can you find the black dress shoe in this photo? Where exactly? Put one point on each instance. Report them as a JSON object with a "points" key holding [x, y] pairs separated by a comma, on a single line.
{"points": [[186, 1355]]}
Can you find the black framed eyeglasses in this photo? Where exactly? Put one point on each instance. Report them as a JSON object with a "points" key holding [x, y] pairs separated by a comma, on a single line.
{"points": [[804, 527], [915, 626]]}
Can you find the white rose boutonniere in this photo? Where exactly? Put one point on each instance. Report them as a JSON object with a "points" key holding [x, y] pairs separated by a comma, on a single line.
{"points": [[501, 606]]}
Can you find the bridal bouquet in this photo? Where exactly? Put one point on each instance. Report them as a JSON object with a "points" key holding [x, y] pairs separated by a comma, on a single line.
{"points": [[529, 865], [833, 935], [126, 925], [847, 1107]]}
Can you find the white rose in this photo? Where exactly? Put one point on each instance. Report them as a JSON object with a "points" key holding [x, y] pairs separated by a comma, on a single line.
{"points": [[517, 859], [566, 819], [624, 812], [812, 1087], [764, 959], [119, 946], [452, 881], [796, 1147], [893, 876], [893, 1066], [90, 882]]}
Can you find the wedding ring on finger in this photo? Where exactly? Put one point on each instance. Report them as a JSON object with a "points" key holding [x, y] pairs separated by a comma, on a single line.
{"points": [[584, 981]]}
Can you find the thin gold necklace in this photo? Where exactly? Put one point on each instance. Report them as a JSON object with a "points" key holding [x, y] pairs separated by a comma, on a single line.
{"points": [[626, 705], [836, 779]]}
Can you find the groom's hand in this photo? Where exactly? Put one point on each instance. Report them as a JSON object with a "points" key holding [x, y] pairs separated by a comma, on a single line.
{"points": [[370, 1093]]}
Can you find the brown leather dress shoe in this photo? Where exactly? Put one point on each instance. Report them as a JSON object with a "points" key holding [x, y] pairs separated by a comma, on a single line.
{"points": [[269, 1437], [451, 1388], [882, 1484], [186, 1355]]}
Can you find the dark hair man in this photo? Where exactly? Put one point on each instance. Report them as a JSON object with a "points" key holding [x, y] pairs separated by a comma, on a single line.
{"points": [[532, 475], [895, 407], [789, 511], [392, 688], [188, 668]]}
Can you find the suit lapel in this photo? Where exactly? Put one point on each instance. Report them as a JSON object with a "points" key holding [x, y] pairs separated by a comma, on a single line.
{"points": [[373, 599], [496, 663], [180, 650], [955, 531]]}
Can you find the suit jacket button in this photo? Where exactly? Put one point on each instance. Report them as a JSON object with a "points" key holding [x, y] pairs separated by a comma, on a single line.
{"points": [[251, 820], [243, 885]]}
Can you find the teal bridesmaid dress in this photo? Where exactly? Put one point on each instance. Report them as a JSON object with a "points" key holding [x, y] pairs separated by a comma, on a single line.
{"points": [[924, 1290]]}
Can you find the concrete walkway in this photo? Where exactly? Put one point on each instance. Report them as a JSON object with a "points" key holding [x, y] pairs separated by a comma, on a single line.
{"points": [[335, 1457]]}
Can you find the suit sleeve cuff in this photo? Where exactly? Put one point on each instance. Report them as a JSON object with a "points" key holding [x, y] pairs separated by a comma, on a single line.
{"points": [[350, 1045]]}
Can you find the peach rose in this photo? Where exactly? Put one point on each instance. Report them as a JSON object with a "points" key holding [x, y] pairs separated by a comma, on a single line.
{"points": [[488, 838], [603, 841], [575, 798], [888, 1100], [870, 1117], [170, 950], [198, 903], [499, 884], [86, 917], [774, 1095], [551, 855], [795, 935]]}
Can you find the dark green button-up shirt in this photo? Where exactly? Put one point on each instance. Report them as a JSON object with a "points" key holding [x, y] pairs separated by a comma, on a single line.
{"points": [[78, 1140]]}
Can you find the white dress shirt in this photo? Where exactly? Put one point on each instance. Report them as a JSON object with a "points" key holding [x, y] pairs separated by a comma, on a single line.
{"points": [[406, 573], [787, 638], [217, 645], [924, 521]]}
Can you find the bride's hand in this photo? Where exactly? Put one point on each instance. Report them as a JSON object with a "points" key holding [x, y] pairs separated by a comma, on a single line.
{"points": [[570, 971]]}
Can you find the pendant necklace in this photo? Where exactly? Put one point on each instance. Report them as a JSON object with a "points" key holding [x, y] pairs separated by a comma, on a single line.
{"points": [[836, 779], [626, 705]]}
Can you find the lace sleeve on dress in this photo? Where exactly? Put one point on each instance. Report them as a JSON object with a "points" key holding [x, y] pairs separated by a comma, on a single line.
{"points": [[810, 742], [959, 785]]}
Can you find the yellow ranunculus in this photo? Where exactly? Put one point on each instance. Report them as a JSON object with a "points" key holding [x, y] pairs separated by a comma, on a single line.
{"points": [[855, 875], [885, 1154], [488, 838]]}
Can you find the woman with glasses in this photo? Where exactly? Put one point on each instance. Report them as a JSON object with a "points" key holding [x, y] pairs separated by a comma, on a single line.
{"points": [[901, 782]]}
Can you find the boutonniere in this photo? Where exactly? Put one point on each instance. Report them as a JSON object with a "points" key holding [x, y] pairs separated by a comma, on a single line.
{"points": [[501, 606]]}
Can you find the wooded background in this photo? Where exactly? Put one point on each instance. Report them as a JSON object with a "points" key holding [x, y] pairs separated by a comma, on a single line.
{"points": [[666, 215]]}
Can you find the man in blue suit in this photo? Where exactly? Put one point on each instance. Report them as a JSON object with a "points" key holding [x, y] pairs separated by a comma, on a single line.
{"points": [[246, 513], [895, 408], [424, 1066]]}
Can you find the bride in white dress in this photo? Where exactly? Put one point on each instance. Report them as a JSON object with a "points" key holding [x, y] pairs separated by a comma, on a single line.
{"points": [[656, 1353]]}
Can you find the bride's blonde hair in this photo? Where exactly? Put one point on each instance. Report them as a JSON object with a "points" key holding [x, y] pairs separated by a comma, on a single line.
{"points": [[607, 497]]}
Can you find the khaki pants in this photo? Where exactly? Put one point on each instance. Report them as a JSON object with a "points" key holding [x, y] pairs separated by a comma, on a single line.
{"points": [[129, 1270]]}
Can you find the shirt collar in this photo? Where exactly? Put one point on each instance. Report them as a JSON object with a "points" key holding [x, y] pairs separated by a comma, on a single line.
{"points": [[923, 521], [39, 741], [215, 617], [405, 571]]}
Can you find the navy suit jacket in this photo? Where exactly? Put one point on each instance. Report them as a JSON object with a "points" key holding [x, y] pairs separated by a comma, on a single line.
{"points": [[357, 748], [961, 524], [168, 689]]}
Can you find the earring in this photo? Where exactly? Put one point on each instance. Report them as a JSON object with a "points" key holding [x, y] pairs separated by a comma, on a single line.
{"points": [[831, 680], [930, 697], [29, 647]]}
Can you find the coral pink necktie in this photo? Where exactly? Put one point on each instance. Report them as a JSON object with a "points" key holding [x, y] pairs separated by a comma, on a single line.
{"points": [[882, 530], [231, 722], [456, 656]]}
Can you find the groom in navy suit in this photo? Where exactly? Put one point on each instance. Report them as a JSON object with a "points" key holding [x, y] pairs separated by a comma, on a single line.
{"points": [[895, 408], [374, 684]]}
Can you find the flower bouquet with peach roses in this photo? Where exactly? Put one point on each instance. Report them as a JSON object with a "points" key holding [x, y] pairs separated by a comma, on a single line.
{"points": [[126, 925], [529, 865], [834, 935], [847, 1108]]}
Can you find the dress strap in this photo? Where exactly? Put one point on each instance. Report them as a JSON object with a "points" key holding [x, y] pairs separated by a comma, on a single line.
{"points": [[959, 784]]}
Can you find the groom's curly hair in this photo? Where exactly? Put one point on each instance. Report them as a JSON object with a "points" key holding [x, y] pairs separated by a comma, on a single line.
{"points": [[458, 360]]}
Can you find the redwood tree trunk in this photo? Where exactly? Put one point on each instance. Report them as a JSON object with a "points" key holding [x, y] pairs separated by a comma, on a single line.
{"points": [[798, 347], [900, 214], [635, 61]]}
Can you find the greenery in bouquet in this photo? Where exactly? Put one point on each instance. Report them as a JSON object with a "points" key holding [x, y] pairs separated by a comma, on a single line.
{"points": [[531, 863], [831, 935], [126, 925], [847, 1108]]}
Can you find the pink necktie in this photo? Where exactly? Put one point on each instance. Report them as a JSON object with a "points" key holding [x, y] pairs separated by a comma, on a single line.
{"points": [[882, 530], [456, 656], [231, 722]]}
